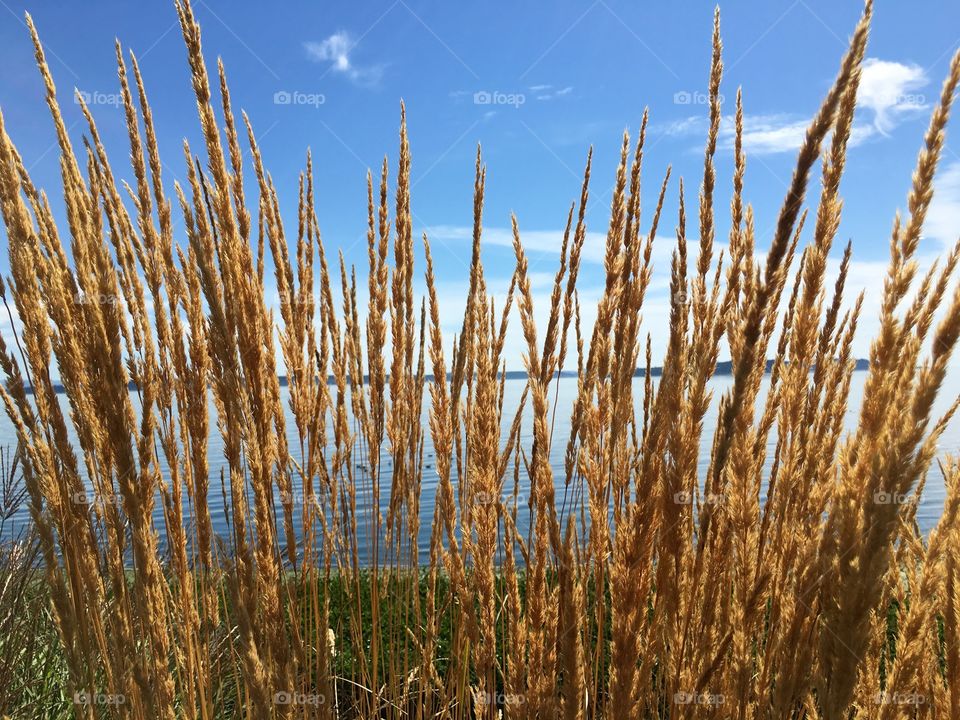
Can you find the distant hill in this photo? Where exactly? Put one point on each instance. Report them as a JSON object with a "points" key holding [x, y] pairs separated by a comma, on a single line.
{"points": [[724, 367]]}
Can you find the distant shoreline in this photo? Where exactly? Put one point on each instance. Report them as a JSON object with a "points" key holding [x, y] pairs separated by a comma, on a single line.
{"points": [[724, 368]]}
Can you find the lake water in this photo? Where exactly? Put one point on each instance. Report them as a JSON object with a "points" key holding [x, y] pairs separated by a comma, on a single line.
{"points": [[928, 512]]}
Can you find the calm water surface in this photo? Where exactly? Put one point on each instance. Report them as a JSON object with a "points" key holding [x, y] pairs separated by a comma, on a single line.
{"points": [[929, 510]]}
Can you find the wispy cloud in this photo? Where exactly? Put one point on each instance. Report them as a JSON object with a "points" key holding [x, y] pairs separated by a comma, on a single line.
{"points": [[762, 134], [336, 50], [691, 125], [546, 242], [536, 241], [549, 92], [886, 98]]}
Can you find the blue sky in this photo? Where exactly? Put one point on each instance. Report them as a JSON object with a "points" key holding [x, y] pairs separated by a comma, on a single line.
{"points": [[536, 85]]}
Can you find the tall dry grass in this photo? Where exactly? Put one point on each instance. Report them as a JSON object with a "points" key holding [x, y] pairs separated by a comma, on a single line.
{"points": [[643, 590]]}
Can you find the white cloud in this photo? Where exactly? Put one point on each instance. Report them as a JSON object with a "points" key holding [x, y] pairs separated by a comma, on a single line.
{"points": [[889, 90], [766, 134], [887, 96], [336, 50], [542, 246], [333, 49]]}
